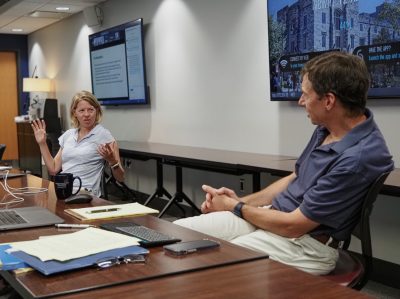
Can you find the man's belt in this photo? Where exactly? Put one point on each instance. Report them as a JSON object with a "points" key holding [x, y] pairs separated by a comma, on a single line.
{"points": [[326, 240]]}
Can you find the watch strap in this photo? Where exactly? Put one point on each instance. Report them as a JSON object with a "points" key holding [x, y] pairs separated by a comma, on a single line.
{"points": [[237, 210]]}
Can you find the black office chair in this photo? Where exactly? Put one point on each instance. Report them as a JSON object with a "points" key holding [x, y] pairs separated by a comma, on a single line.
{"points": [[353, 270], [108, 179], [2, 150]]}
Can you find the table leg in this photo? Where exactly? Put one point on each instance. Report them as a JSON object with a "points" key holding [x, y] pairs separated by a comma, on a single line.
{"points": [[160, 190], [179, 195]]}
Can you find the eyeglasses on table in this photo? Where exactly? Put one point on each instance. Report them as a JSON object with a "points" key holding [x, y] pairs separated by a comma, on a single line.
{"points": [[118, 260]]}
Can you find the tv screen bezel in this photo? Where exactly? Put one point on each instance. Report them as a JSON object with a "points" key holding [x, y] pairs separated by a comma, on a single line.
{"points": [[122, 100]]}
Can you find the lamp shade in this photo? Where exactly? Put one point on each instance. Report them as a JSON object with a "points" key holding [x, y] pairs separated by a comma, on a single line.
{"points": [[36, 84]]}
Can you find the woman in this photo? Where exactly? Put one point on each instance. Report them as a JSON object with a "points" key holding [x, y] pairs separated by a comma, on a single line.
{"points": [[84, 148]]}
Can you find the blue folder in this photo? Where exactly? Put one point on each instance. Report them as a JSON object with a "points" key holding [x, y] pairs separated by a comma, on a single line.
{"points": [[53, 266], [8, 261]]}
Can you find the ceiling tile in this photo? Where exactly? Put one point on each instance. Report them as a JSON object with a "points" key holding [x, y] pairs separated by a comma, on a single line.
{"points": [[15, 13]]}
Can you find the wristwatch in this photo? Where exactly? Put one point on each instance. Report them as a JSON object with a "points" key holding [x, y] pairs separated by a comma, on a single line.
{"points": [[237, 210], [116, 165]]}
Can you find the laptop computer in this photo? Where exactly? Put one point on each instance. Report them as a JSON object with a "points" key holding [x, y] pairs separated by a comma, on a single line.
{"points": [[27, 217], [6, 170], [11, 175]]}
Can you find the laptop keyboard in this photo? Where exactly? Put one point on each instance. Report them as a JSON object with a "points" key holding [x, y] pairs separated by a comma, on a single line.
{"points": [[148, 237], [10, 217]]}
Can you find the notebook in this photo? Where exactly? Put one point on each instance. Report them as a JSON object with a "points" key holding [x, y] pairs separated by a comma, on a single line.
{"points": [[27, 217], [111, 211], [8, 261]]}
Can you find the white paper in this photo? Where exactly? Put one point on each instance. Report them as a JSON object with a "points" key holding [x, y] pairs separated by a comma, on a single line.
{"points": [[74, 245]]}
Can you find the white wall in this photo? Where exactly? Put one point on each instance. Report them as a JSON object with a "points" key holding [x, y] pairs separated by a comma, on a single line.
{"points": [[208, 76], [207, 71]]}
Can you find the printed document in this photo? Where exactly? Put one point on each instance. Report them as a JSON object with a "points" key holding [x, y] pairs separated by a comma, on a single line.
{"points": [[74, 245]]}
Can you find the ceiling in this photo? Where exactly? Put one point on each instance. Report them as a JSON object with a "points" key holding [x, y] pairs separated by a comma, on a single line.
{"points": [[31, 15]]}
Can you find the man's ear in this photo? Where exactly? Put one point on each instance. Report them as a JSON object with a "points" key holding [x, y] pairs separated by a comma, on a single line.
{"points": [[330, 101]]}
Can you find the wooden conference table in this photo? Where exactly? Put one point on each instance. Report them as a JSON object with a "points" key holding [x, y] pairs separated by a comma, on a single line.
{"points": [[229, 270], [223, 161]]}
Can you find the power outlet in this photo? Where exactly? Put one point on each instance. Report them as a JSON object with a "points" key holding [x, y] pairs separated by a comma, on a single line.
{"points": [[241, 185], [126, 163]]}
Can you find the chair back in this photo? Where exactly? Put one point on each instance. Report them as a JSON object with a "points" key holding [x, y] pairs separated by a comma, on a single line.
{"points": [[108, 180], [351, 271], [105, 177], [2, 150], [363, 231]]}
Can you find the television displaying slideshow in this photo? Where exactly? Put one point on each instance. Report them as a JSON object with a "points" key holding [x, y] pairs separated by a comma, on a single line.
{"points": [[299, 30], [117, 64]]}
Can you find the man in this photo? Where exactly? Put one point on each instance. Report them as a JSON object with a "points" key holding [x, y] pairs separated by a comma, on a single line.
{"points": [[300, 219]]}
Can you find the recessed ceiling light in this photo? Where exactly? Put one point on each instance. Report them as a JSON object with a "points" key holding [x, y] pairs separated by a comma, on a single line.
{"points": [[16, 30], [62, 8]]}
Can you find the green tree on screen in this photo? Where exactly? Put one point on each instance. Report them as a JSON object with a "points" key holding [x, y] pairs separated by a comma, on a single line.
{"points": [[390, 11], [276, 39]]}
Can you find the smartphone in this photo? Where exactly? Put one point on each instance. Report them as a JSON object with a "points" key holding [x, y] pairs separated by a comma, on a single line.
{"points": [[183, 248]]}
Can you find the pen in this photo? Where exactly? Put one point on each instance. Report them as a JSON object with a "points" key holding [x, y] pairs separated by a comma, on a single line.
{"points": [[103, 210], [63, 225]]}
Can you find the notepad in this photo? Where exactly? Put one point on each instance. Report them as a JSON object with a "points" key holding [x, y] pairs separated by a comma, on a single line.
{"points": [[111, 211]]}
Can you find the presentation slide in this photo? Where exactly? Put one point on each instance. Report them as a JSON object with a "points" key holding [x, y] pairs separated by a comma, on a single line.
{"points": [[109, 72], [135, 66]]}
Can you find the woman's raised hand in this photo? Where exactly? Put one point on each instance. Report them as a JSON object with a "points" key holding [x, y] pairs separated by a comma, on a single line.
{"points": [[39, 129]]}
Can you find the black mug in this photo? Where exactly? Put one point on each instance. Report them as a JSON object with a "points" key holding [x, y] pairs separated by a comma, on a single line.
{"points": [[64, 184]]}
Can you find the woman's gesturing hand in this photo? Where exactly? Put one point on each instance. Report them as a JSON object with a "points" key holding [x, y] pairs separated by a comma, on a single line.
{"points": [[39, 129], [107, 151]]}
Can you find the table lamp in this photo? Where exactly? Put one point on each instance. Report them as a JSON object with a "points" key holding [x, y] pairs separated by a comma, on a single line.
{"points": [[36, 85]]}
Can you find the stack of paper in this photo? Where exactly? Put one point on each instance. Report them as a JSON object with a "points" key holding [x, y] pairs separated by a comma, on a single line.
{"points": [[51, 267], [53, 254], [111, 211], [74, 245]]}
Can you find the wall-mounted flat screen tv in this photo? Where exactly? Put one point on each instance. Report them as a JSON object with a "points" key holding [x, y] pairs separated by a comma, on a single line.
{"points": [[299, 30], [117, 64]]}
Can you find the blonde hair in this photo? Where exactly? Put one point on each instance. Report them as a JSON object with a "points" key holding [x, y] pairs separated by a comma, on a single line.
{"points": [[91, 99]]}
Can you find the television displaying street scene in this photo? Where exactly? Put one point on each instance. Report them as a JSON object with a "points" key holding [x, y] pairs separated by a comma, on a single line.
{"points": [[299, 30]]}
